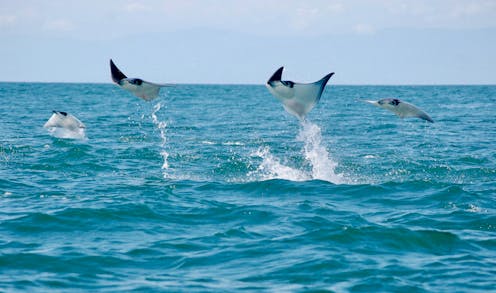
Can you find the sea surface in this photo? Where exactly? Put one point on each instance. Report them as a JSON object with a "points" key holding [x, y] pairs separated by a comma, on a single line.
{"points": [[215, 188]]}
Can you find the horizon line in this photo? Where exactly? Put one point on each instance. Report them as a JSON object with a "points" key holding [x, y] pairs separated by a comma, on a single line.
{"points": [[262, 84]]}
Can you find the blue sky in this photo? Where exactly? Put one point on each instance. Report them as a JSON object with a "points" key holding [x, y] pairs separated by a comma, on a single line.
{"points": [[207, 41]]}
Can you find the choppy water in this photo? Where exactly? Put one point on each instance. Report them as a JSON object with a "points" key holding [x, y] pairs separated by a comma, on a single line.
{"points": [[216, 188]]}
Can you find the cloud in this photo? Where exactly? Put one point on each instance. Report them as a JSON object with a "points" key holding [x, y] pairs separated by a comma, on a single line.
{"points": [[304, 17], [7, 20], [59, 25], [462, 9], [451, 14], [364, 29], [312, 16], [257, 17], [133, 6], [335, 7]]}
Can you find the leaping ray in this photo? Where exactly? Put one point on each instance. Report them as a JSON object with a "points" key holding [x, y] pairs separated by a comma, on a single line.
{"points": [[140, 88], [401, 108], [65, 120], [64, 125], [297, 98]]}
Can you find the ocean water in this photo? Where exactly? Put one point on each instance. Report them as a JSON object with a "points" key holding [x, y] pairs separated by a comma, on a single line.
{"points": [[216, 188]]}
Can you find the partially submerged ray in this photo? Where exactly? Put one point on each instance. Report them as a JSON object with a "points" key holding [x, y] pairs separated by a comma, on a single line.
{"points": [[297, 98], [401, 108], [140, 88]]}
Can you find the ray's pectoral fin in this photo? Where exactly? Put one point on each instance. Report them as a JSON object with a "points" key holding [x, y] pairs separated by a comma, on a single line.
{"points": [[424, 116], [410, 110], [306, 96], [277, 76], [323, 83], [117, 75], [147, 91]]}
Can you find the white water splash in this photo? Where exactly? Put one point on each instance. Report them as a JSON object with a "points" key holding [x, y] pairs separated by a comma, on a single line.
{"points": [[60, 132], [323, 167], [272, 168], [233, 143], [161, 126]]}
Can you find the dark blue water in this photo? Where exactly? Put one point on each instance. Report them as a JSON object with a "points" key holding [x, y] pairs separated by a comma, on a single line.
{"points": [[217, 188]]}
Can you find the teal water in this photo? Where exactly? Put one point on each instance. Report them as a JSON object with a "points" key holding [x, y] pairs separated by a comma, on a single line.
{"points": [[217, 188]]}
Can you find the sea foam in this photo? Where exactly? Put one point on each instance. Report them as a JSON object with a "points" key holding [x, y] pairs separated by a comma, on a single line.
{"points": [[315, 154]]}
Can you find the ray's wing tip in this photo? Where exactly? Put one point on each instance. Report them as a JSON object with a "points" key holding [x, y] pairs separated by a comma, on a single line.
{"points": [[115, 72], [277, 76], [423, 115], [326, 78]]}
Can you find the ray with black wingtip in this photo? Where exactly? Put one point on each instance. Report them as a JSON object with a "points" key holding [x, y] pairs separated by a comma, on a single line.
{"points": [[64, 120], [401, 108], [64, 125], [297, 98], [140, 88]]}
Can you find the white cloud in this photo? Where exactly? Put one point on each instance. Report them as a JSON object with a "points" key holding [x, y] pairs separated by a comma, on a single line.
{"points": [[364, 29], [452, 14], [60, 25], [462, 9], [304, 17], [335, 7], [133, 6], [401, 7], [7, 20], [259, 17]]}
